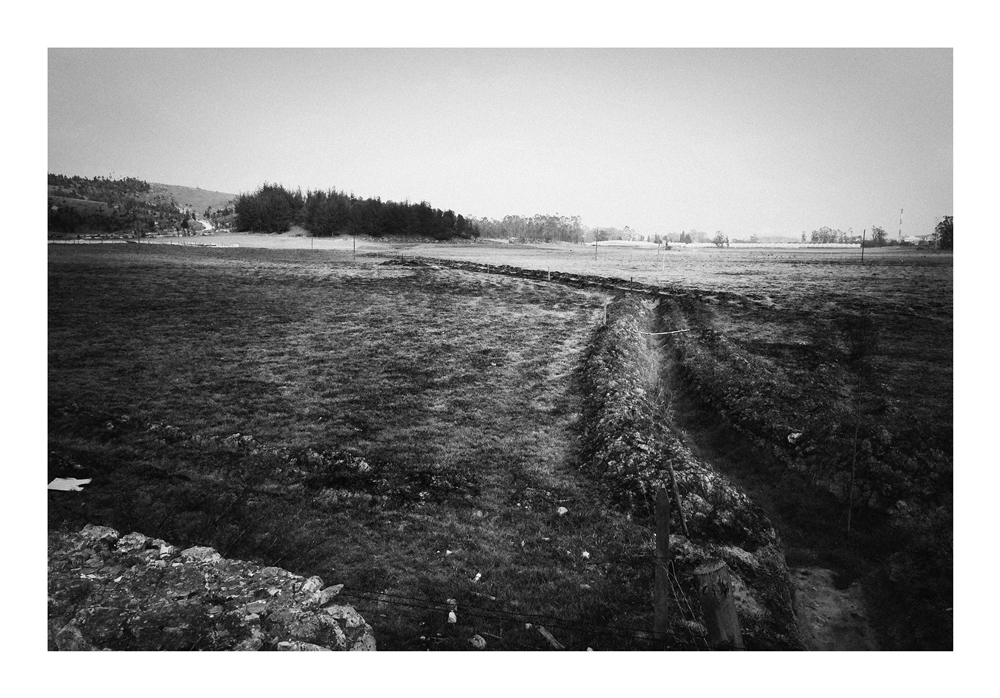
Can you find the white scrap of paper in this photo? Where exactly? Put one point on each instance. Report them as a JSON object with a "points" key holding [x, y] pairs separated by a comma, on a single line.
{"points": [[69, 484]]}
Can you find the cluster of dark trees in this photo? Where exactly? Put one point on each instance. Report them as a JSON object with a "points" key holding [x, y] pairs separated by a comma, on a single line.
{"points": [[943, 233], [274, 209], [105, 205]]}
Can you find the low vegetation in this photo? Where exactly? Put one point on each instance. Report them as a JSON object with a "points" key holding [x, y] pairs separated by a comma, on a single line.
{"points": [[845, 405], [411, 433], [415, 432]]}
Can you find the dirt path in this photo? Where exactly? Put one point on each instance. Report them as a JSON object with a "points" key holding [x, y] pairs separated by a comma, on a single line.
{"points": [[830, 618]]}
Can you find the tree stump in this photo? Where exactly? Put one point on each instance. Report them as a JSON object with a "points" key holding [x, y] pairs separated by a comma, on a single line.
{"points": [[715, 592]]}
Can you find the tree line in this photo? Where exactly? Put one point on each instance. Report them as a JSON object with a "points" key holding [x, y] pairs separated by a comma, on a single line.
{"points": [[274, 209], [537, 228]]}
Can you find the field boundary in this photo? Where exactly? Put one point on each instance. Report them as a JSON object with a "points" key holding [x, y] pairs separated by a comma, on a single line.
{"points": [[609, 283], [630, 444]]}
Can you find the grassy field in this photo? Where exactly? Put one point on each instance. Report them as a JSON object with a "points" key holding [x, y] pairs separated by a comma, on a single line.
{"points": [[420, 426], [411, 432]]}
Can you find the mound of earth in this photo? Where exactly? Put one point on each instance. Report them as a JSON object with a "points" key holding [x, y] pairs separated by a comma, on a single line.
{"points": [[629, 445]]}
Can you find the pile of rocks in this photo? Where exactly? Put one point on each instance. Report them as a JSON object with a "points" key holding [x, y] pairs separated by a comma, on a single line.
{"points": [[114, 592]]}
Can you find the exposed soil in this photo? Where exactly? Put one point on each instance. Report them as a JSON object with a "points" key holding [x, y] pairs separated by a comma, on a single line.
{"points": [[830, 616]]}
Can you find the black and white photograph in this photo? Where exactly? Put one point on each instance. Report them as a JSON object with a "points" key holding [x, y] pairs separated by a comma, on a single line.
{"points": [[570, 346]]}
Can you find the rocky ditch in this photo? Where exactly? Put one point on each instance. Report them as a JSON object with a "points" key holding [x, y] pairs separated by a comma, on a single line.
{"points": [[631, 445], [107, 591]]}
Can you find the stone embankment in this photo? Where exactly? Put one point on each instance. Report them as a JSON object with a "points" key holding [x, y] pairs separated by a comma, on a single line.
{"points": [[114, 592]]}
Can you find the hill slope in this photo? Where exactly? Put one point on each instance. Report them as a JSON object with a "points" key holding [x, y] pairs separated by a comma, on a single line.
{"points": [[193, 198], [100, 205]]}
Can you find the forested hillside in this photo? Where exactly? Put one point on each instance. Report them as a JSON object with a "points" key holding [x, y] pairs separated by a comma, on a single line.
{"points": [[127, 206]]}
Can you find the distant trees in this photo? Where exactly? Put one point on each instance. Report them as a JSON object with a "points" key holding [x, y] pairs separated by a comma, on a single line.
{"points": [[878, 236], [537, 228], [270, 209], [826, 235], [274, 209], [719, 240], [943, 233]]}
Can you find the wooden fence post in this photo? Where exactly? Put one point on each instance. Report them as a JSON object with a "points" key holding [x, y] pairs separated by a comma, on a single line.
{"points": [[661, 578], [715, 591]]}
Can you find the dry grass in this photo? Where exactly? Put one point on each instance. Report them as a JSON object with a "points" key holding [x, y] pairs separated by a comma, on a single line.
{"points": [[456, 391]]}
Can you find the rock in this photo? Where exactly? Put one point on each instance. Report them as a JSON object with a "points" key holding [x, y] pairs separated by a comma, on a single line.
{"points": [[252, 644], [99, 534], [562, 511], [297, 646], [70, 639], [167, 551], [329, 594], [366, 643], [351, 618], [478, 642], [312, 585], [200, 553], [132, 542], [269, 572], [130, 600], [257, 607]]}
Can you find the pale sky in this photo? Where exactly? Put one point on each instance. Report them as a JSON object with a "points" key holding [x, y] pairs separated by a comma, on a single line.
{"points": [[747, 141]]}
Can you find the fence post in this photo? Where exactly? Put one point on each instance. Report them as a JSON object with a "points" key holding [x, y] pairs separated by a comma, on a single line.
{"points": [[661, 578], [715, 591]]}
